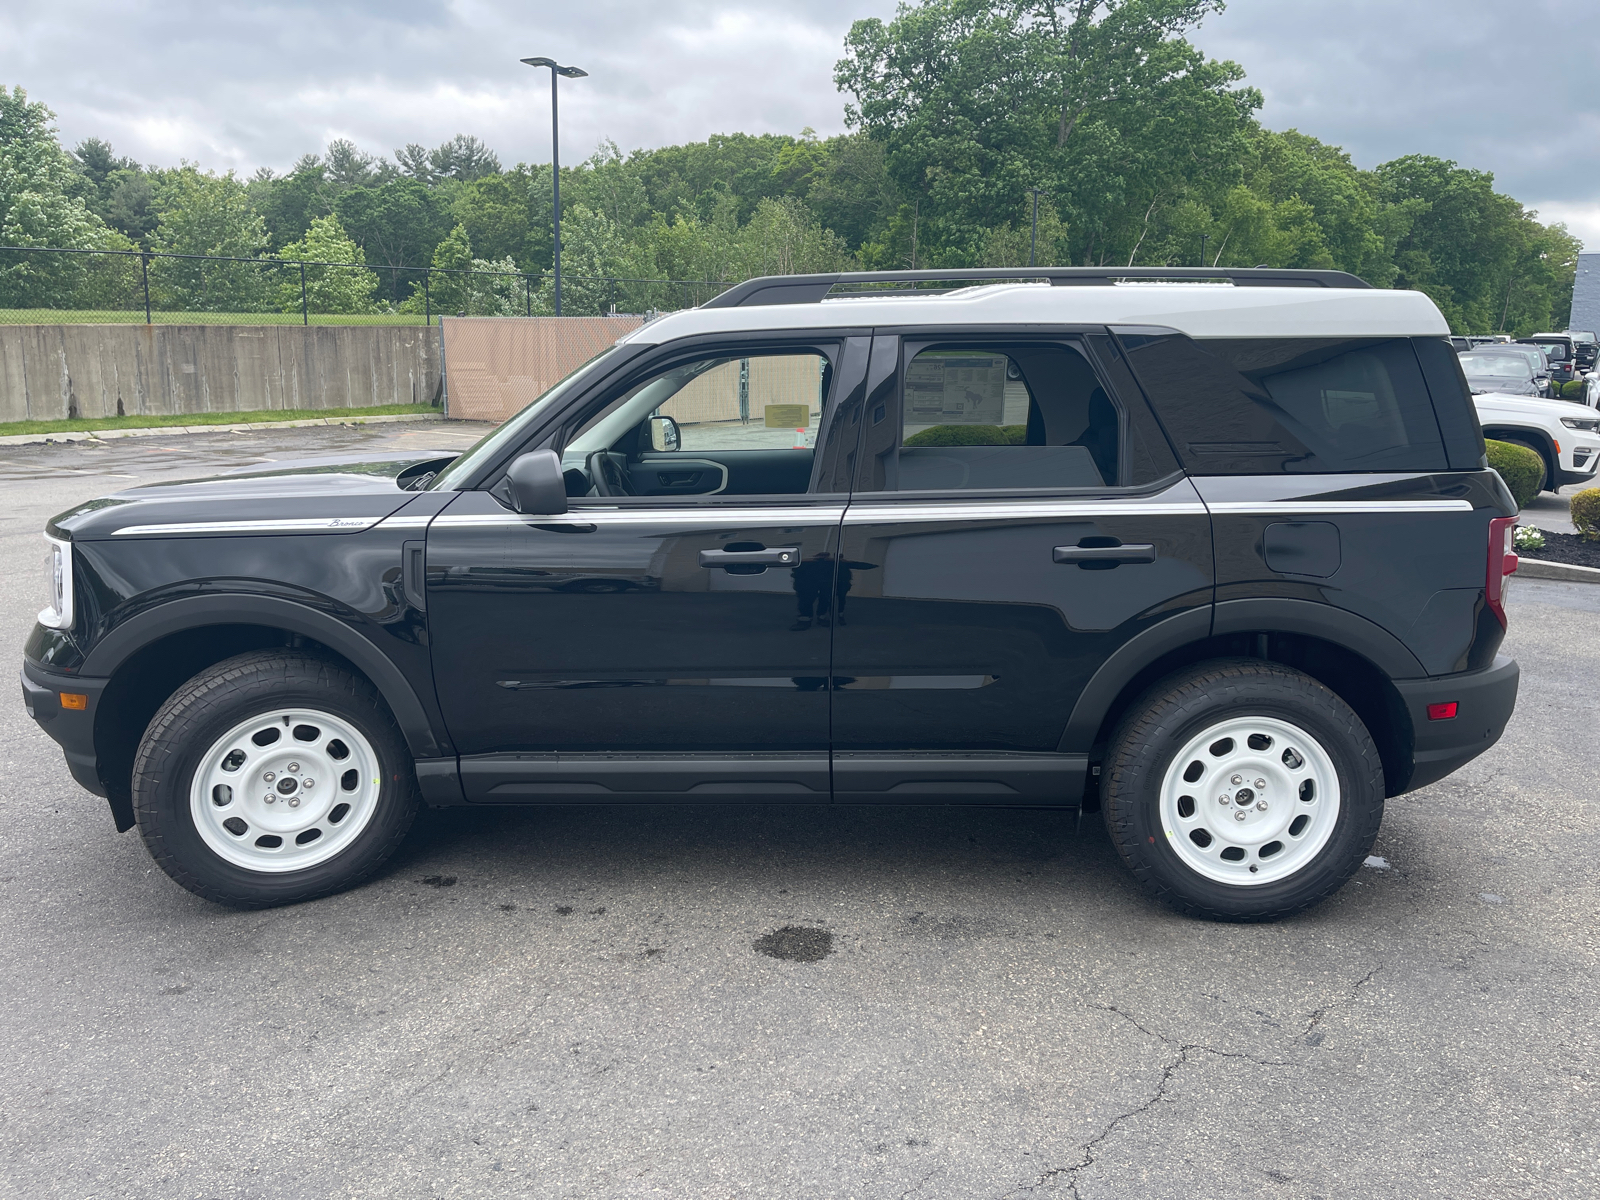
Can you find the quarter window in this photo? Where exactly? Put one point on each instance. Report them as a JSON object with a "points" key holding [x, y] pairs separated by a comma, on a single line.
{"points": [[1248, 406]]}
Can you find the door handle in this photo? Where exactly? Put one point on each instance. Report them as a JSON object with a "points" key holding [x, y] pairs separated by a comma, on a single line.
{"points": [[778, 556], [1090, 556]]}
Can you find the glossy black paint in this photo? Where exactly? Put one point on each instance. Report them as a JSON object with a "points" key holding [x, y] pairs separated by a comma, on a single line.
{"points": [[608, 634], [1417, 574], [960, 631]]}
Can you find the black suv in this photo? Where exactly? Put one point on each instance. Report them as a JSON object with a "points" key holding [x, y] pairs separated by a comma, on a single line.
{"points": [[1214, 552]]}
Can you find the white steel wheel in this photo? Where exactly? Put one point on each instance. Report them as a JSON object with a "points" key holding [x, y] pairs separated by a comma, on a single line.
{"points": [[1249, 801], [286, 790]]}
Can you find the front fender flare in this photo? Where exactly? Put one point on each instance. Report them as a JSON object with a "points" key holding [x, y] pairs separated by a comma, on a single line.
{"points": [[191, 612]]}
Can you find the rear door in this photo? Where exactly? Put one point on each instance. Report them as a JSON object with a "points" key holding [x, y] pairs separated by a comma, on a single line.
{"points": [[1017, 517]]}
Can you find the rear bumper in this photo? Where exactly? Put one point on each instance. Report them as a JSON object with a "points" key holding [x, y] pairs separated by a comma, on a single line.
{"points": [[72, 729], [1484, 702]]}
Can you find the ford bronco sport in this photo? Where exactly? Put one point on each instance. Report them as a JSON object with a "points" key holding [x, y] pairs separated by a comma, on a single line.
{"points": [[1215, 552]]}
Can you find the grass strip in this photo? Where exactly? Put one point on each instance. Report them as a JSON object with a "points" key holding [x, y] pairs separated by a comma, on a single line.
{"points": [[84, 424]]}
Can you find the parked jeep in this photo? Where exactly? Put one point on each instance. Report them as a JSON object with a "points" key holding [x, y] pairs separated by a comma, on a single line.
{"points": [[1215, 552]]}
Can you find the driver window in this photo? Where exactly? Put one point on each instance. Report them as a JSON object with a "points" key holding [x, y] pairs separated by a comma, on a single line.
{"points": [[725, 425]]}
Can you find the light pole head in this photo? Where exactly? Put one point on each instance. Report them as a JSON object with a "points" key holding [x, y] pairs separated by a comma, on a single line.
{"points": [[569, 72]]}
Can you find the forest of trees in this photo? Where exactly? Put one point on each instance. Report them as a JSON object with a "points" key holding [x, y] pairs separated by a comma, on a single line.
{"points": [[1142, 152]]}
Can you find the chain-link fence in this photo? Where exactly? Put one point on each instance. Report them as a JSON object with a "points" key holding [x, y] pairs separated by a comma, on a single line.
{"points": [[52, 286]]}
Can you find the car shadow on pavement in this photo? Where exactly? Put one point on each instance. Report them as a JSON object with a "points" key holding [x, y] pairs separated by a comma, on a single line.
{"points": [[699, 845]]}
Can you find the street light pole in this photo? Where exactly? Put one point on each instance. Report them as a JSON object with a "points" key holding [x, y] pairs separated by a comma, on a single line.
{"points": [[556, 70], [1033, 241]]}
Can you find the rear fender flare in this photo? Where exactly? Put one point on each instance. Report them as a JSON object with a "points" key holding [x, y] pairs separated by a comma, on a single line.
{"points": [[1327, 622]]}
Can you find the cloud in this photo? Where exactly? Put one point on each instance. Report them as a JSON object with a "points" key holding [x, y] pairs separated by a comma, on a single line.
{"points": [[1493, 86]]}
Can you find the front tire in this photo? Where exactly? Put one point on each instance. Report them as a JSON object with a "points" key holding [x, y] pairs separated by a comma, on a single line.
{"points": [[1241, 790], [273, 777]]}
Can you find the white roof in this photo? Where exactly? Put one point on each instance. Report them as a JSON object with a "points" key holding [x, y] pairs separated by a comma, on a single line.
{"points": [[1201, 310]]}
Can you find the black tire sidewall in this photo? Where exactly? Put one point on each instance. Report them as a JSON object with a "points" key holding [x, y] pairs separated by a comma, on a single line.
{"points": [[1179, 709], [203, 711]]}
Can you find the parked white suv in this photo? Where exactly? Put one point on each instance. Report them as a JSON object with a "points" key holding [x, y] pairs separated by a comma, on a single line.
{"points": [[1564, 434]]}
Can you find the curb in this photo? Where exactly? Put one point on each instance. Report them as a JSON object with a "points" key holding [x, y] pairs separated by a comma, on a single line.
{"points": [[93, 435], [1537, 568]]}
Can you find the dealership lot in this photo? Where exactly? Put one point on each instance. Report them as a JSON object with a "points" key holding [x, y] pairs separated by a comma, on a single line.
{"points": [[567, 1002]]}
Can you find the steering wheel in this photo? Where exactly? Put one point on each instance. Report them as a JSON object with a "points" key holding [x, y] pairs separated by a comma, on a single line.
{"points": [[607, 477]]}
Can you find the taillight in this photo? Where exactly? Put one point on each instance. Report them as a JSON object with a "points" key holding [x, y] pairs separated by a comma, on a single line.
{"points": [[1502, 562]]}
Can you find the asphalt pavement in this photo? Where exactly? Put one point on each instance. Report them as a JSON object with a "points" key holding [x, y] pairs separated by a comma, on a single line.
{"points": [[584, 1003]]}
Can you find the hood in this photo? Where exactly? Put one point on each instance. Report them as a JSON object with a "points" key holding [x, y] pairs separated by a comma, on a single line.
{"points": [[315, 496], [1483, 385]]}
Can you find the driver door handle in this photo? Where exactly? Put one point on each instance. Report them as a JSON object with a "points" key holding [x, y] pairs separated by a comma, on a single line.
{"points": [[778, 556]]}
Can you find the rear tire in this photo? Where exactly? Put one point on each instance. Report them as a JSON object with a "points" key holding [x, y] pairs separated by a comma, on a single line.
{"points": [[273, 777], [1241, 790]]}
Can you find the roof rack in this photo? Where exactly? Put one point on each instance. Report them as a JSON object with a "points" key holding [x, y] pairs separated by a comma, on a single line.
{"points": [[812, 289]]}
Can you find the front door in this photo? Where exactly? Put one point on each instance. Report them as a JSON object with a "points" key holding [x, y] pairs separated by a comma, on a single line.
{"points": [[1016, 519], [656, 646]]}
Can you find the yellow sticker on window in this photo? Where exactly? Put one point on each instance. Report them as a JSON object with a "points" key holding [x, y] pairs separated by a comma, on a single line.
{"points": [[788, 416]]}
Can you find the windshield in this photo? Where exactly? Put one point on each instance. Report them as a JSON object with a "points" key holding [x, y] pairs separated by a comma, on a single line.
{"points": [[1501, 366], [509, 431]]}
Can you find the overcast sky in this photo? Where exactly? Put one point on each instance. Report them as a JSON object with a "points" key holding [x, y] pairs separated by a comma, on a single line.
{"points": [[1500, 87]]}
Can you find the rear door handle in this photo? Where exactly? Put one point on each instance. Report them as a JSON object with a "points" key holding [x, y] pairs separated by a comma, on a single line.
{"points": [[778, 556], [1085, 555]]}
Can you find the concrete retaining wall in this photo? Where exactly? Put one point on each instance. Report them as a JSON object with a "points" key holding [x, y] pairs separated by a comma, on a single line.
{"points": [[50, 372]]}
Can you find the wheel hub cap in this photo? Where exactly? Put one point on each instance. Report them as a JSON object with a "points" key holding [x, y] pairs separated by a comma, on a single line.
{"points": [[1276, 800], [285, 790]]}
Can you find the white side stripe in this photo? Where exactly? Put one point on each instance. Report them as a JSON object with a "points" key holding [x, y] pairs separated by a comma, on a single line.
{"points": [[1276, 508], [280, 525]]}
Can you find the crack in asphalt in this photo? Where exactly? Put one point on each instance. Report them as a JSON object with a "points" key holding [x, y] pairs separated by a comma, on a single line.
{"points": [[1087, 1153], [1318, 1014]]}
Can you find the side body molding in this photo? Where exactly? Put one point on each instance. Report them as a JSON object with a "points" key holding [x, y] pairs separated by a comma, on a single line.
{"points": [[189, 612]]}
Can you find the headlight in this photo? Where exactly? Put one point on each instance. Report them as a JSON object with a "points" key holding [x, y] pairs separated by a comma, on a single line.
{"points": [[59, 565], [1590, 425]]}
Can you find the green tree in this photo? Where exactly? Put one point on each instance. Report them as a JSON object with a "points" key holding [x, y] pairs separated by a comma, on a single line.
{"points": [[1102, 105], [39, 207], [204, 214], [398, 224], [333, 289]]}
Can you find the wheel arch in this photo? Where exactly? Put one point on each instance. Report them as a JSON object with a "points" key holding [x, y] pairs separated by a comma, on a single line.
{"points": [[150, 655], [1355, 658], [1540, 437]]}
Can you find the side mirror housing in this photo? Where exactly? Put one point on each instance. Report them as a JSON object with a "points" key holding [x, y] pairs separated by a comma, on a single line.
{"points": [[536, 485], [664, 434]]}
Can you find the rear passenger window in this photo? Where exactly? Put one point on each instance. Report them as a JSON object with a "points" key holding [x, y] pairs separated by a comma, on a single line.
{"points": [[1019, 417], [1248, 406]]}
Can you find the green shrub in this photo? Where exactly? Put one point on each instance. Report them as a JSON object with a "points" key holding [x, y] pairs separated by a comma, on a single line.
{"points": [[970, 435], [1586, 513], [1520, 467]]}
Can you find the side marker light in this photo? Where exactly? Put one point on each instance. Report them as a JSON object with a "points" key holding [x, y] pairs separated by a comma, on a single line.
{"points": [[1443, 712], [74, 700]]}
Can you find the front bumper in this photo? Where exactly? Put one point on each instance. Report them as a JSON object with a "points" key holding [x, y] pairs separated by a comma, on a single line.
{"points": [[1584, 463], [1484, 702], [73, 729]]}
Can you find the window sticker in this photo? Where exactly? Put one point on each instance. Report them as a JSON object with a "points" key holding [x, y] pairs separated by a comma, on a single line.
{"points": [[957, 389], [788, 416]]}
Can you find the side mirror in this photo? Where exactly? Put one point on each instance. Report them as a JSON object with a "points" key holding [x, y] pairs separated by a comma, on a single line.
{"points": [[664, 434], [536, 484]]}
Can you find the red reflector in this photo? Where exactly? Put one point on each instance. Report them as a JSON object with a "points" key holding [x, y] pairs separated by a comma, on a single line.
{"points": [[1442, 712]]}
